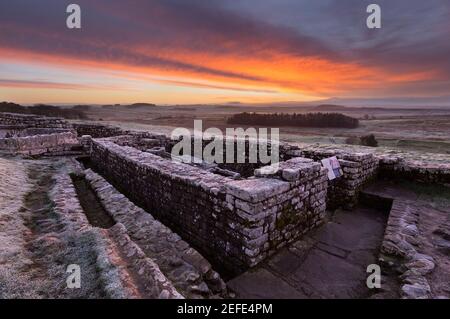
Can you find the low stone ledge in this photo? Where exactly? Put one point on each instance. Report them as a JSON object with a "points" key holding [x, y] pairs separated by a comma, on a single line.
{"points": [[155, 282], [400, 250]]}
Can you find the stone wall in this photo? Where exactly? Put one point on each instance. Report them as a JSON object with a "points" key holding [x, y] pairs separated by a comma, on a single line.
{"points": [[235, 223], [20, 131], [420, 171], [57, 143], [358, 169], [29, 120], [11, 130], [97, 130], [245, 167]]}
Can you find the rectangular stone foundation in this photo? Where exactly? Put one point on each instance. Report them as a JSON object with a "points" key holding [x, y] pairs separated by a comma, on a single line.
{"points": [[235, 223]]}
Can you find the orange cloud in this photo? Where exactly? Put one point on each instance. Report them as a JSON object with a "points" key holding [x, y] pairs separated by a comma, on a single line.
{"points": [[191, 45]]}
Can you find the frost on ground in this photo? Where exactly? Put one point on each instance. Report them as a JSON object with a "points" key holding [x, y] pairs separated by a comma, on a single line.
{"points": [[35, 246], [15, 280], [43, 230]]}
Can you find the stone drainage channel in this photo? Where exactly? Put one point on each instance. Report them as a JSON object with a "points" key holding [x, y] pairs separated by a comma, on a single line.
{"points": [[95, 213]]}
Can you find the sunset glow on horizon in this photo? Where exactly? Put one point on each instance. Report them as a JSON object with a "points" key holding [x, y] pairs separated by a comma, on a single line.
{"points": [[186, 52]]}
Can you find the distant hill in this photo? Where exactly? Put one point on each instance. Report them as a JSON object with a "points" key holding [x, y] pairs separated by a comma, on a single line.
{"points": [[330, 107], [81, 107], [436, 103], [138, 105], [441, 102], [42, 109], [128, 106]]}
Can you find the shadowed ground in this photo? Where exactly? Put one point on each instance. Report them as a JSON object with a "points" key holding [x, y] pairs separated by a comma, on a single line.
{"points": [[329, 263]]}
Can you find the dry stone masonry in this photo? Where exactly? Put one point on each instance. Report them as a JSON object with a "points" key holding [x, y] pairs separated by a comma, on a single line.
{"points": [[46, 144], [34, 121], [358, 169], [176, 224], [97, 130], [397, 167], [236, 223]]}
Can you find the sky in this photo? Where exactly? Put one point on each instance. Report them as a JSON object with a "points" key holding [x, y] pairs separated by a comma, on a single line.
{"points": [[218, 51]]}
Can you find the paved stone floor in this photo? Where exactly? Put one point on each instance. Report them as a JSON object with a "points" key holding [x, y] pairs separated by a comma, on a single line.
{"points": [[330, 262]]}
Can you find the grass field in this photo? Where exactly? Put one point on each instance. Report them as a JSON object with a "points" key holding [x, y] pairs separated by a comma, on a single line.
{"points": [[423, 130]]}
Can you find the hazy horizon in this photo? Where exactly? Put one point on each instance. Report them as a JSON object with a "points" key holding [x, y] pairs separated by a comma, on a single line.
{"points": [[417, 103]]}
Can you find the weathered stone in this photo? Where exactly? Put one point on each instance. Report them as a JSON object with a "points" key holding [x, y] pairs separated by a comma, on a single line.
{"points": [[422, 266], [416, 291]]}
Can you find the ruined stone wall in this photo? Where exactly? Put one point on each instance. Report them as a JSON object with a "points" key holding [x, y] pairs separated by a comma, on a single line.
{"points": [[420, 171], [245, 168], [236, 223], [142, 140], [29, 121], [97, 130], [20, 131], [358, 169], [282, 204], [11, 130], [40, 144]]}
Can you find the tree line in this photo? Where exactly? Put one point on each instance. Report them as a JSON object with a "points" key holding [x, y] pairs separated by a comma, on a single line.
{"points": [[295, 119]]}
